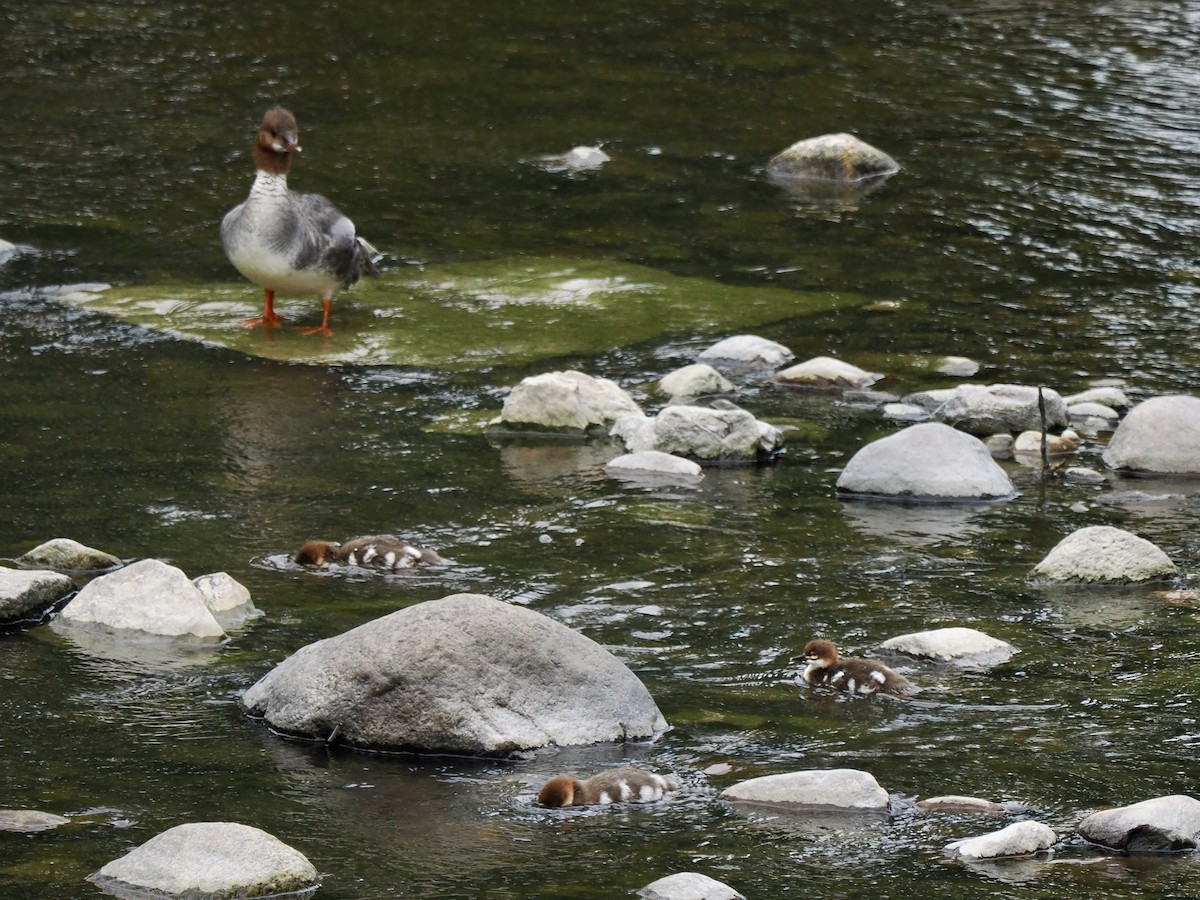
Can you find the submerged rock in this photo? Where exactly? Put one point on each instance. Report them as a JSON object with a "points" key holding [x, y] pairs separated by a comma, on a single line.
{"points": [[956, 803], [463, 674], [845, 788], [1160, 436], [832, 157], [1000, 408], [823, 373], [28, 593], [696, 380], [1018, 839], [746, 353], [570, 401], [688, 886], [66, 555], [962, 645], [1162, 825], [209, 860], [708, 435], [1101, 553], [929, 461], [148, 596], [27, 821]]}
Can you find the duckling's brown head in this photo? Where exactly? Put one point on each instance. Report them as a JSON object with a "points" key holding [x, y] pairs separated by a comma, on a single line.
{"points": [[314, 553], [561, 790]]}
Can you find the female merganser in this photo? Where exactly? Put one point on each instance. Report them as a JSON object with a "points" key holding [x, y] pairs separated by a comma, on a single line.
{"points": [[614, 786], [858, 676], [285, 241], [383, 551]]}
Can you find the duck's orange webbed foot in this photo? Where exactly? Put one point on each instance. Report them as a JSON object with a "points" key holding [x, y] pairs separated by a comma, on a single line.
{"points": [[268, 319], [323, 328]]}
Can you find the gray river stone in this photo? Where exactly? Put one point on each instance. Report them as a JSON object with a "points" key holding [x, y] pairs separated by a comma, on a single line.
{"points": [[464, 674], [654, 464], [66, 555], [712, 435], [696, 380], [1160, 436], [1102, 553], [25, 592], [688, 886], [29, 820], [1018, 839], [832, 157], [929, 461], [1161, 825], [962, 645], [746, 353], [1000, 408], [148, 596], [844, 788], [826, 374], [566, 401], [202, 860], [1112, 397]]}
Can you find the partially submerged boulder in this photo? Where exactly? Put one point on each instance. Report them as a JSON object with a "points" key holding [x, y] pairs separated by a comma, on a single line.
{"points": [[1000, 408], [566, 401], [959, 804], [696, 380], [27, 821], [706, 434], [464, 674], [843, 788], [824, 373], [148, 596], [837, 157], [66, 555], [1163, 825], [961, 645], [28, 593], [688, 886], [214, 860], [1023, 838], [654, 464], [1102, 553], [929, 461], [746, 353], [1158, 437]]}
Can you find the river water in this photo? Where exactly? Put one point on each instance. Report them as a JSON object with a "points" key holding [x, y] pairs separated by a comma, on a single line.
{"points": [[1042, 224]]}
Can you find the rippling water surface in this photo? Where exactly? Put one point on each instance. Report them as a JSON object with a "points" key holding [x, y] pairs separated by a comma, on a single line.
{"points": [[1043, 224]]}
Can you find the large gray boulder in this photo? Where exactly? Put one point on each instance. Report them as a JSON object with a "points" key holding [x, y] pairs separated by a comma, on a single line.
{"points": [[1162, 825], [1102, 553], [1018, 839], [25, 593], [1160, 436], [148, 596], [708, 435], [208, 860], [688, 886], [1000, 409], [929, 461], [844, 788], [463, 674], [566, 401], [66, 555], [837, 157]]}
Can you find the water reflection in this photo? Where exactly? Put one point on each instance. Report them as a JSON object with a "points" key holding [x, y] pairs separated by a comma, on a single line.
{"points": [[915, 523]]}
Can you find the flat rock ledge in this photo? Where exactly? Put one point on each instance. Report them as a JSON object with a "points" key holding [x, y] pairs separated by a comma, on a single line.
{"points": [[824, 373], [965, 646], [565, 402], [927, 462], [1163, 825], [718, 436], [66, 555], [1102, 553], [744, 353], [156, 598], [209, 860], [839, 157], [1024, 838], [1160, 436], [26, 593], [842, 788], [464, 674], [27, 821], [688, 886]]}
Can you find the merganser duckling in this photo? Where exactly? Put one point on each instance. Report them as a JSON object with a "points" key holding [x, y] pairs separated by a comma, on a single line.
{"points": [[286, 241], [858, 676], [383, 551], [615, 786]]}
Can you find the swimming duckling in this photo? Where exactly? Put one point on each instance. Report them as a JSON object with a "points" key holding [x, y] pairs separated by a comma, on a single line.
{"points": [[858, 676], [383, 551], [614, 786]]}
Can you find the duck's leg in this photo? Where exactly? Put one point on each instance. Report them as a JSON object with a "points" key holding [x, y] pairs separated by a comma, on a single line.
{"points": [[268, 319], [323, 328]]}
